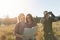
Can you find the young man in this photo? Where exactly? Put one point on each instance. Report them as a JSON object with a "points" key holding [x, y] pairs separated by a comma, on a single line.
{"points": [[47, 23]]}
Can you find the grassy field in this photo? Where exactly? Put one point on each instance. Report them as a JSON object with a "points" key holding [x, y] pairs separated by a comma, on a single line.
{"points": [[56, 30], [7, 31]]}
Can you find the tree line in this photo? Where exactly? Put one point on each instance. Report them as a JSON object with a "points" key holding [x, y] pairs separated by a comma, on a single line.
{"points": [[8, 21]]}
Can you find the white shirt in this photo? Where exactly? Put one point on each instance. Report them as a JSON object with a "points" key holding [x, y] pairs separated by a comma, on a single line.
{"points": [[30, 32]]}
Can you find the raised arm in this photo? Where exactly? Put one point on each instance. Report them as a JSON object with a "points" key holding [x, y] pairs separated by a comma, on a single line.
{"points": [[54, 18]]}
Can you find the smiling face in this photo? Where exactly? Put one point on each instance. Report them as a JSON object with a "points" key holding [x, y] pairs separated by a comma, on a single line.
{"points": [[29, 18], [21, 17]]}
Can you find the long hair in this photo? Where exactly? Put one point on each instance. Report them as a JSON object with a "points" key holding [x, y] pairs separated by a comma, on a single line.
{"points": [[30, 17]]}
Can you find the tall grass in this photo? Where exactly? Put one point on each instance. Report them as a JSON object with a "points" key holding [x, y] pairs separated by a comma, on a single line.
{"points": [[7, 31], [56, 30]]}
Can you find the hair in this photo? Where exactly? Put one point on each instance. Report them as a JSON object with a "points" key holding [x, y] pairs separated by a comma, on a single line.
{"points": [[45, 12], [31, 18], [46, 16], [20, 15]]}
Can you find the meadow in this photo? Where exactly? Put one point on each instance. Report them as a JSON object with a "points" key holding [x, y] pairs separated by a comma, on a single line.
{"points": [[56, 30], [7, 31]]}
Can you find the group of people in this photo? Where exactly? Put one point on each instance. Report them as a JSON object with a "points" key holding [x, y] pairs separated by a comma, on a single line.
{"points": [[26, 28]]}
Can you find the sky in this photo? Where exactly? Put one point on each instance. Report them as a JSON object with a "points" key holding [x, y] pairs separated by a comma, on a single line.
{"points": [[13, 8]]}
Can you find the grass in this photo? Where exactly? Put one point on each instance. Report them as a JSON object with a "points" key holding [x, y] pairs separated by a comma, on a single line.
{"points": [[56, 30], [7, 31]]}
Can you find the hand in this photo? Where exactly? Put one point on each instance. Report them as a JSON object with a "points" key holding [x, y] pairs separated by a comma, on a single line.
{"points": [[21, 36]]}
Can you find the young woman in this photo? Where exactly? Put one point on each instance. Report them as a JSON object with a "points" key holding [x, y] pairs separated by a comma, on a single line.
{"points": [[30, 29], [19, 29]]}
